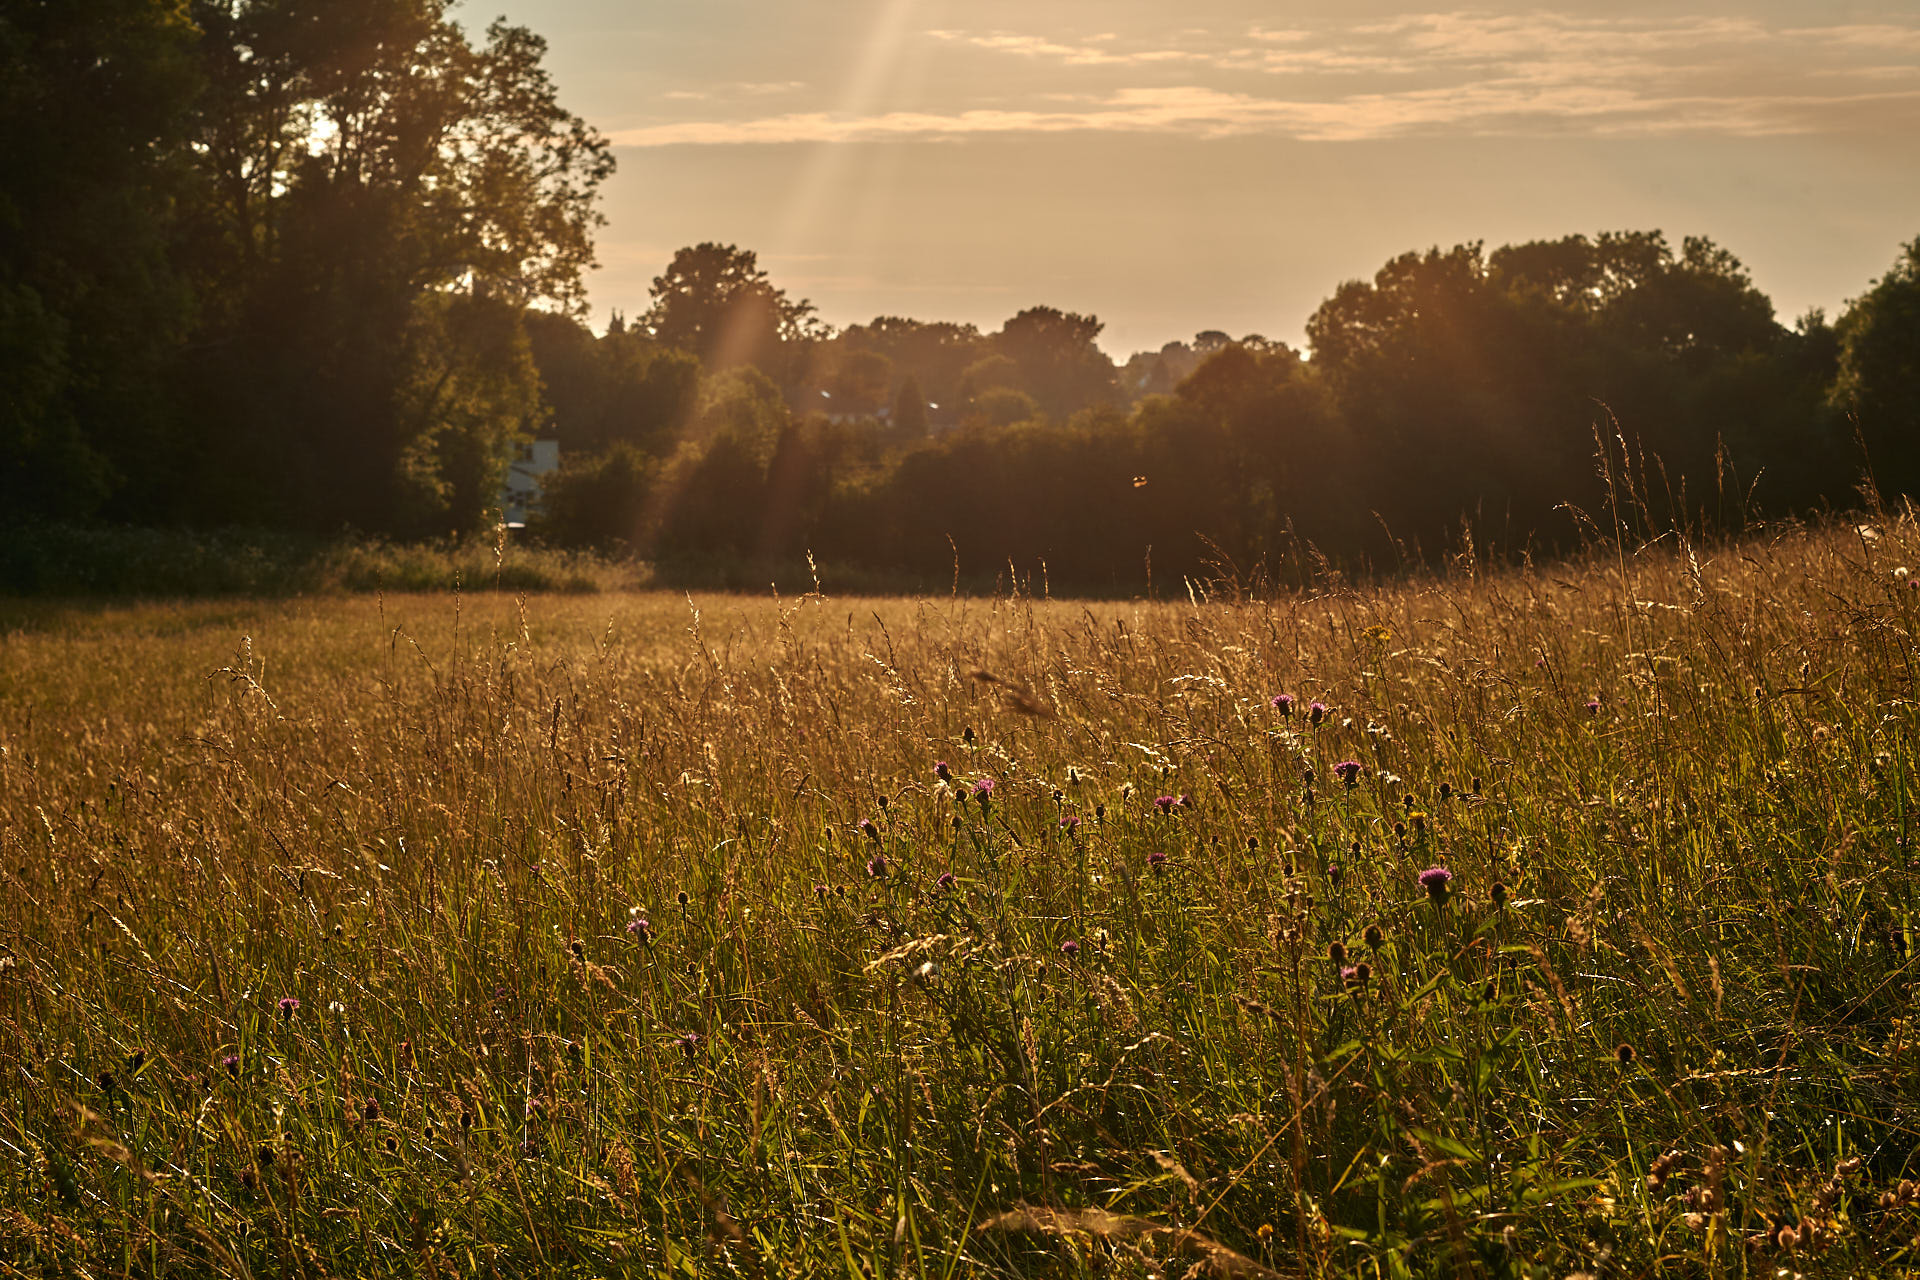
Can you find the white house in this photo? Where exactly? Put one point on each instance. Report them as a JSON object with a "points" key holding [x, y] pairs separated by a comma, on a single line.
{"points": [[531, 460]]}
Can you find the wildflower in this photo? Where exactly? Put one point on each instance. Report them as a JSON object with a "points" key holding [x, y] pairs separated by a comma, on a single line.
{"points": [[1183, 800], [1283, 703], [231, 1064], [1316, 713], [1157, 861], [1349, 772], [868, 830], [1070, 949], [941, 771], [1071, 823], [877, 866], [640, 928], [983, 790], [1265, 1232], [1438, 882], [288, 1007], [1164, 803], [1498, 894], [371, 1110], [1419, 821], [689, 1044], [1357, 976], [1335, 874], [1593, 706], [945, 882]]}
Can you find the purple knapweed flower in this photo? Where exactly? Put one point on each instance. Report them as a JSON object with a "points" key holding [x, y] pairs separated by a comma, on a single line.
{"points": [[868, 830], [1438, 882], [1316, 712], [1071, 823], [689, 1043], [1069, 948], [288, 1007], [1283, 703], [1349, 771], [1164, 803], [945, 882], [231, 1064], [877, 866], [983, 790], [1593, 706], [941, 771], [640, 928], [1157, 861]]}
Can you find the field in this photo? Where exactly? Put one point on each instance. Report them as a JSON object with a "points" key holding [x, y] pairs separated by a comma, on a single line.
{"points": [[646, 935]]}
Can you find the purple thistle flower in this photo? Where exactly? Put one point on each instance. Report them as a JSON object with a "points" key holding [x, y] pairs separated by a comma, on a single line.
{"points": [[1349, 771], [1438, 882], [1164, 803], [1071, 823], [877, 866], [1070, 948], [1316, 712], [983, 790], [1157, 861], [689, 1043], [868, 830], [640, 928], [1593, 706], [945, 882], [941, 771], [288, 1007], [231, 1064], [1283, 703]]}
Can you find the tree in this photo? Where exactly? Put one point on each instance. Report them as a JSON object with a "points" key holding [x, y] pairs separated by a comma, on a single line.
{"points": [[1056, 360], [714, 301], [910, 410], [363, 160], [94, 103], [1879, 375]]}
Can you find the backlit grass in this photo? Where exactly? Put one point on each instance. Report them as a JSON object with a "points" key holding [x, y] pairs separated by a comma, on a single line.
{"points": [[633, 935]]}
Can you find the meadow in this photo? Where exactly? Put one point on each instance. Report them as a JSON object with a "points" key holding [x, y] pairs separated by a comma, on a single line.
{"points": [[1521, 922]]}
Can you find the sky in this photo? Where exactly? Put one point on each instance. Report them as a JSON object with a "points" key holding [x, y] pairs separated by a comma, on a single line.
{"points": [[1224, 164]]}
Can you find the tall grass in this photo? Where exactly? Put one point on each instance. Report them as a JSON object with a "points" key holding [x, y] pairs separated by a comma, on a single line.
{"points": [[634, 935]]}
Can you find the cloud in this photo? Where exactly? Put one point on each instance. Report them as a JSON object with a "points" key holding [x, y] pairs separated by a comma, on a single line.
{"points": [[1463, 72]]}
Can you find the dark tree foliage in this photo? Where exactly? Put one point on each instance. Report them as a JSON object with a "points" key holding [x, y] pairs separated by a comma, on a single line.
{"points": [[267, 260], [95, 106], [1879, 377], [715, 301]]}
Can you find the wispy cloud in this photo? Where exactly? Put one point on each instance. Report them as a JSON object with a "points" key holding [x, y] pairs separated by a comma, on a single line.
{"points": [[1474, 72]]}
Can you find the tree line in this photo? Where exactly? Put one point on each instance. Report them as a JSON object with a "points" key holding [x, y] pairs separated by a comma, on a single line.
{"points": [[318, 265]]}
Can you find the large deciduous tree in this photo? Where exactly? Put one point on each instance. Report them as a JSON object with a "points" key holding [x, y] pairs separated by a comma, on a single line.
{"points": [[381, 190]]}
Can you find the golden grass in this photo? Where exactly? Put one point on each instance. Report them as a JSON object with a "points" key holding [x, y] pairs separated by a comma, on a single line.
{"points": [[433, 821]]}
